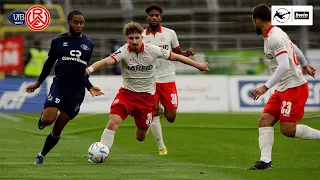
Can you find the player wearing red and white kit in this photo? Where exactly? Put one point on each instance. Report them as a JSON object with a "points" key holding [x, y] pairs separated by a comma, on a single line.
{"points": [[136, 97], [166, 92], [287, 102]]}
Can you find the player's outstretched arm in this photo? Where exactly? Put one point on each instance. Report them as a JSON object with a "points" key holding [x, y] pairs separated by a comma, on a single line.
{"points": [[99, 64], [44, 74], [188, 61], [187, 53]]}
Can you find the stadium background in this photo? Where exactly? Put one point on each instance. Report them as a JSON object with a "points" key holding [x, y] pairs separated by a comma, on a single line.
{"points": [[210, 104]]}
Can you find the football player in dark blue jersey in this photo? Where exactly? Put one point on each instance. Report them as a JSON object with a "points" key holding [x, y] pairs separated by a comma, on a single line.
{"points": [[70, 52]]}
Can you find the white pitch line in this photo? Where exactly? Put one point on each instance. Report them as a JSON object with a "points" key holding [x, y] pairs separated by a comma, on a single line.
{"points": [[9, 117], [14, 118], [24, 116], [86, 115]]}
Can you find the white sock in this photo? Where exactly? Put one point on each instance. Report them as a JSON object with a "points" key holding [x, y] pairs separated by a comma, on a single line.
{"points": [[266, 138], [107, 137], [306, 132], [157, 132]]}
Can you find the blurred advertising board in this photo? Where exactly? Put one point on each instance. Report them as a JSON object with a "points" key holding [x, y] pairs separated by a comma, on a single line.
{"points": [[11, 55], [195, 93], [241, 99], [13, 97]]}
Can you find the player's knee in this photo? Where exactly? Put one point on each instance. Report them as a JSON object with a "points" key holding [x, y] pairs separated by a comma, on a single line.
{"points": [[47, 120], [141, 134], [49, 115], [170, 116], [266, 120], [141, 138], [114, 122], [288, 129]]}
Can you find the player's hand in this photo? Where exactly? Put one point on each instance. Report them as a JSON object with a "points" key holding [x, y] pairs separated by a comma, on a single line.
{"points": [[203, 66], [310, 70], [191, 52], [259, 92], [32, 87], [95, 91]]}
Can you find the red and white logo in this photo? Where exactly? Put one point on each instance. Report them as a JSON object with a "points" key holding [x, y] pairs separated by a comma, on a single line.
{"points": [[162, 39], [37, 18]]}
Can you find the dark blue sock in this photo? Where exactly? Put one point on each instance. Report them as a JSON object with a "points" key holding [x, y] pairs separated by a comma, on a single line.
{"points": [[51, 141]]}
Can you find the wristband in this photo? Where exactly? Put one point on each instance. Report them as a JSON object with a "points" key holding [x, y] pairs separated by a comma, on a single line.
{"points": [[90, 69]]}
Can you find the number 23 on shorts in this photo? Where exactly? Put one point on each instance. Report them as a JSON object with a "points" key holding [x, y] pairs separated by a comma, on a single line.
{"points": [[286, 108]]}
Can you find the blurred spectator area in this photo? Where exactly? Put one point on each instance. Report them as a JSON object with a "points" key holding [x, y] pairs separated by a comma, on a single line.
{"points": [[201, 24]]}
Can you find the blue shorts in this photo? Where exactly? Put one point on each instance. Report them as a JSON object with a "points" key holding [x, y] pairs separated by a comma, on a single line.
{"points": [[64, 99]]}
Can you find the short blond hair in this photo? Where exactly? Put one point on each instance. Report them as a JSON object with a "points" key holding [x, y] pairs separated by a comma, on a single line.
{"points": [[131, 28]]}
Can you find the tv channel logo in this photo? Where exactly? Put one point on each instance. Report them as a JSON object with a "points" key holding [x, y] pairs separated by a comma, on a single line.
{"points": [[301, 15], [37, 18], [292, 15]]}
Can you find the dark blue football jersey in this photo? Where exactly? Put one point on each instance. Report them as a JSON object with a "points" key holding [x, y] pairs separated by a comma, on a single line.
{"points": [[71, 55]]}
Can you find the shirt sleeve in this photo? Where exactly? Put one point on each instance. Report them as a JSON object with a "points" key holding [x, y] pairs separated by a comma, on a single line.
{"points": [[174, 40], [302, 60], [52, 57], [160, 52], [92, 47], [282, 69], [52, 52], [119, 54], [87, 82], [277, 45]]}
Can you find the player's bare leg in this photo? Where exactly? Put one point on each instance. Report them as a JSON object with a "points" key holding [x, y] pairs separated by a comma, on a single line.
{"points": [[170, 114], [107, 137], [266, 139], [291, 129], [157, 131], [48, 116], [141, 134], [54, 137]]}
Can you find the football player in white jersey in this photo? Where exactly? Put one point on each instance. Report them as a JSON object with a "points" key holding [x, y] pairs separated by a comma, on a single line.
{"points": [[166, 91], [136, 96], [287, 102]]}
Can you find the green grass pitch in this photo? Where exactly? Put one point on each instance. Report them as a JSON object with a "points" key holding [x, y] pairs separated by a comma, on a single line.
{"points": [[200, 146]]}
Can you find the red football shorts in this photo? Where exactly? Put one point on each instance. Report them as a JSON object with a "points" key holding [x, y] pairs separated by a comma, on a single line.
{"points": [[167, 94], [140, 105], [289, 104]]}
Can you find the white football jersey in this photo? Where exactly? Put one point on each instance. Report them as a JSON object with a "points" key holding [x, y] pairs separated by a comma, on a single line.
{"points": [[167, 39], [277, 42], [138, 70]]}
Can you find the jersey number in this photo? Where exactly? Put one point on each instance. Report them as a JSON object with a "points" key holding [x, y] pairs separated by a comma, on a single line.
{"points": [[57, 100], [174, 99], [149, 119], [286, 108]]}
